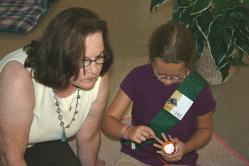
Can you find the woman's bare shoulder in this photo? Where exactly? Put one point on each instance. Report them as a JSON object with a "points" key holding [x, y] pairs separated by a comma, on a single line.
{"points": [[15, 71], [17, 81]]}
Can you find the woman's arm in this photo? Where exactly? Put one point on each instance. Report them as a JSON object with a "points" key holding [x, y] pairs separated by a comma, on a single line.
{"points": [[88, 138], [17, 101]]}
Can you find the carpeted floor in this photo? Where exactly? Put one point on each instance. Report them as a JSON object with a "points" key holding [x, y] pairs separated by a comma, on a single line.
{"points": [[130, 26], [216, 153]]}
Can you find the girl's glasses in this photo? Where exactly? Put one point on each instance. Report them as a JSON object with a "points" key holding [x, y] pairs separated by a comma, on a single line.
{"points": [[170, 77]]}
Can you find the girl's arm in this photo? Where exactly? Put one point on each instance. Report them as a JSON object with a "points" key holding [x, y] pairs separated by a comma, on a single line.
{"points": [[112, 124], [202, 134]]}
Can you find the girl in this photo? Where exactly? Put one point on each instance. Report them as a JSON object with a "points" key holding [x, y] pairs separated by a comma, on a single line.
{"points": [[168, 97]]}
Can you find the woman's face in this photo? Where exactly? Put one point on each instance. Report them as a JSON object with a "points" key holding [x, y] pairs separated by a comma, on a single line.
{"points": [[169, 73], [94, 49]]}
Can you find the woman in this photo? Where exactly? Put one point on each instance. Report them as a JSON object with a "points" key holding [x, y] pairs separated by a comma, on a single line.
{"points": [[53, 89]]}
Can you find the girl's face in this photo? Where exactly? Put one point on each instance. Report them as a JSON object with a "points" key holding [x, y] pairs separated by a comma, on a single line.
{"points": [[169, 73], [94, 50]]}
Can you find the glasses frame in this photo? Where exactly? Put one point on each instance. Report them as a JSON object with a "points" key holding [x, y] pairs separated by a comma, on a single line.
{"points": [[106, 58], [167, 77]]}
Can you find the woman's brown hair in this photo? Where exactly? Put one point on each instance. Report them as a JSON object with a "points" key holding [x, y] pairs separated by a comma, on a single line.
{"points": [[56, 57]]}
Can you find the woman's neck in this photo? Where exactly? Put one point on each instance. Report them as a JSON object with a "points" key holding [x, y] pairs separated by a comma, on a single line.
{"points": [[62, 93]]}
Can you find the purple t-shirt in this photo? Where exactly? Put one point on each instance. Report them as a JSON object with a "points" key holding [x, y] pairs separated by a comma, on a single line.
{"points": [[149, 96]]}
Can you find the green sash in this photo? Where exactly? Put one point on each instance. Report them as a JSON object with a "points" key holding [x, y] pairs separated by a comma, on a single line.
{"points": [[176, 106]]}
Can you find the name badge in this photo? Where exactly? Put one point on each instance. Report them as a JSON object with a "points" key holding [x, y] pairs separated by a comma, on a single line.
{"points": [[178, 104]]}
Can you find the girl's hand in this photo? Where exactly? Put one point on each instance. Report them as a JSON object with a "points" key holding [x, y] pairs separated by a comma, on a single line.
{"points": [[171, 157], [139, 134]]}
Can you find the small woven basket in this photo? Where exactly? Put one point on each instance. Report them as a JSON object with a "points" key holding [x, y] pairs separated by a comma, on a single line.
{"points": [[206, 67]]}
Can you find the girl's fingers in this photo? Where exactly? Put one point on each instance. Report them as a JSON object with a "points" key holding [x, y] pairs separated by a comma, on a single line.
{"points": [[137, 140], [151, 136], [146, 132], [150, 132], [142, 138], [145, 135]]}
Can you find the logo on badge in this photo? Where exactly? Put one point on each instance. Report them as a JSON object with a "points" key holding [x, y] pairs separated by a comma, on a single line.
{"points": [[172, 101]]}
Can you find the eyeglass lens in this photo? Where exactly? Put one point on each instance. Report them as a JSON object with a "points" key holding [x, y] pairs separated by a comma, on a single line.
{"points": [[99, 60], [167, 77]]}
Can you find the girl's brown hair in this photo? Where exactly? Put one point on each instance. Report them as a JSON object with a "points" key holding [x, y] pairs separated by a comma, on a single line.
{"points": [[173, 43]]}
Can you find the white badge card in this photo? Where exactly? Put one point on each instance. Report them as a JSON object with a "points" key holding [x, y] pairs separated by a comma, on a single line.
{"points": [[178, 104]]}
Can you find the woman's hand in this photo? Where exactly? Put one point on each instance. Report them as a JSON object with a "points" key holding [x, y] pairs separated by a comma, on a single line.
{"points": [[177, 155], [139, 134], [100, 162]]}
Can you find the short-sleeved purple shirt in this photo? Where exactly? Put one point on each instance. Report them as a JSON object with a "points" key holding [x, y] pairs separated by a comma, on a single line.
{"points": [[148, 96]]}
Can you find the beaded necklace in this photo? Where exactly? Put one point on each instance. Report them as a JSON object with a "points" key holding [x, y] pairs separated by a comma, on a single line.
{"points": [[60, 117]]}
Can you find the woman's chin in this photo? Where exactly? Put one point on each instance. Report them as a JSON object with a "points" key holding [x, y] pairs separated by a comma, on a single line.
{"points": [[87, 85]]}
